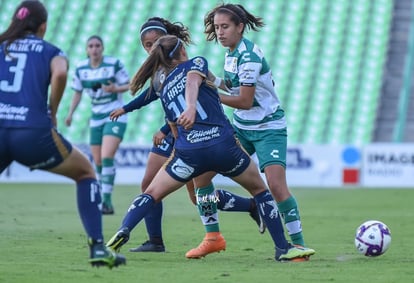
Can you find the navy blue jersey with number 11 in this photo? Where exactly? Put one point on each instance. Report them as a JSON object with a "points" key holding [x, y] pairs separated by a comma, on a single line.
{"points": [[211, 125], [24, 82]]}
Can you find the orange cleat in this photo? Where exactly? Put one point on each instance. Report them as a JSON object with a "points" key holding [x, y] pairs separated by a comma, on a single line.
{"points": [[212, 242], [300, 259]]}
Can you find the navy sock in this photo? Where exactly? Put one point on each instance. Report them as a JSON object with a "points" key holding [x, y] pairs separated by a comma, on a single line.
{"points": [[231, 202], [153, 222], [88, 195], [138, 210], [270, 214]]}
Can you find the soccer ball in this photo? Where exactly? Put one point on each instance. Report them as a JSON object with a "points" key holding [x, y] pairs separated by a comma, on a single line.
{"points": [[372, 238]]}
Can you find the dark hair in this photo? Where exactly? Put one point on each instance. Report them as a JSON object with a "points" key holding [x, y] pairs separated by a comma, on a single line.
{"points": [[165, 27], [163, 52], [238, 14], [27, 18], [97, 37]]}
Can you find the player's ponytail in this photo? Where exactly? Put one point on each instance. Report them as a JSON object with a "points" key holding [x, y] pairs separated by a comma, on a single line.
{"points": [[27, 18], [163, 52]]}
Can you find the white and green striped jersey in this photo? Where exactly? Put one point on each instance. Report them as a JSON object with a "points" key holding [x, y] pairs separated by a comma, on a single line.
{"points": [[246, 66], [90, 80]]}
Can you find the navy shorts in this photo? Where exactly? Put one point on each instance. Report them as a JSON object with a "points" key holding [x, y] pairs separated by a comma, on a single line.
{"points": [[226, 158], [166, 148], [41, 148]]}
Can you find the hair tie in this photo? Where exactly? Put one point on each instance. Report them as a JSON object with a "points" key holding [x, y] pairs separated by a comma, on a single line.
{"points": [[153, 27], [171, 54], [22, 13]]}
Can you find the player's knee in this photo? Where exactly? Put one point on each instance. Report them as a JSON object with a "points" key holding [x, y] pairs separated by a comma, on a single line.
{"points": [[156, 193], [78, 167]]}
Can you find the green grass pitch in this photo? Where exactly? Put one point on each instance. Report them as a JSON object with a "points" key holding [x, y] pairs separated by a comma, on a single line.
{"points": [[42, 240]]}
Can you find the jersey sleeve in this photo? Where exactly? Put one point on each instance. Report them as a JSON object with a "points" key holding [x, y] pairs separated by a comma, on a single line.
{"points": [[145, 98], [55, 51], [121, 74], [165, 129], [250, 65], [199, 65], [76, 84]]}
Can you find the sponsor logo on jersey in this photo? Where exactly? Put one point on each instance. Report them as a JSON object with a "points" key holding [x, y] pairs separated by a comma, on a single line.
{"points": [[201, 136], [231, 64], [181, 169], [241, 162], [43, 164], [105, 72], [10, 112], [198, 64]]}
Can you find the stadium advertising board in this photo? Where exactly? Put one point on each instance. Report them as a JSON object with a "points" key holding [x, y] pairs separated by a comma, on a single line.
{"points": [[314, 166], [388, 165], [307, 166], [376, 165]]}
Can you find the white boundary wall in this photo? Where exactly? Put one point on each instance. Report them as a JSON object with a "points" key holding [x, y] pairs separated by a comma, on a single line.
{"points": [[319, 166]]}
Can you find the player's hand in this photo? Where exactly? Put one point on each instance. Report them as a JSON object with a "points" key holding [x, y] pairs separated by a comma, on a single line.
{"points": [[116, 114], [187, 118], [158, 138], [110, 87]]}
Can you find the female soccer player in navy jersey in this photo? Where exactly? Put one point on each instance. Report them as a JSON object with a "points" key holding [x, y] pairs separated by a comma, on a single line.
{"points": [[258, 118], [28, 65], [164, 142], [205, 145]]}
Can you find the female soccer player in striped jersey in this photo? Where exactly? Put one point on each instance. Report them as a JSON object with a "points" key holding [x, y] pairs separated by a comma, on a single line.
{"points": [[258, 118], [28, 66], [104, 79], [151, 30], [205, 145]]}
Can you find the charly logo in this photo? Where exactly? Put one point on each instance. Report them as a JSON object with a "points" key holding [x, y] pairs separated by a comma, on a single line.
{"points": [[246, 57], [115, 129], [275, 153], [181, 169]]}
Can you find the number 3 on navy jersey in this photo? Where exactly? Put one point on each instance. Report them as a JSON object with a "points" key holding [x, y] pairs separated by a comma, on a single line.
{"points": [[17, 71], [173, 106]]}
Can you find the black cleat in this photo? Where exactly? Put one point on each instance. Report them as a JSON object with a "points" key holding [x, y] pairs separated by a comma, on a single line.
{"points": [[149, 247], [100, 255], [107, 209]]}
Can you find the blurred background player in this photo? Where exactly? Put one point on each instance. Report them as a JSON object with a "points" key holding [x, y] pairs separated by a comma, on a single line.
{"points": [[150, 31], [192, 105], [258, 118], [28, 65], [104, 79]]}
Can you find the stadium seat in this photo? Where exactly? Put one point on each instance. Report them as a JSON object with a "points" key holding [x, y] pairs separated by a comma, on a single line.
{"points": [[326, 57]]}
